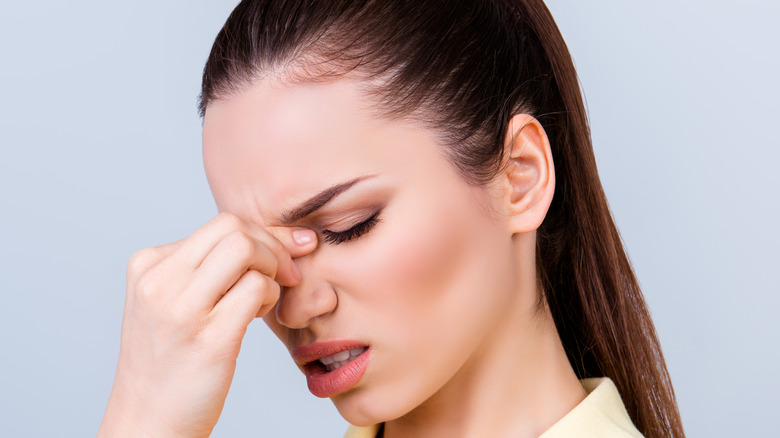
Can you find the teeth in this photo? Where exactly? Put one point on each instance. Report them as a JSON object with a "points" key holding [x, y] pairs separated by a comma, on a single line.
{"points": [[338, 360], [339, 357]]}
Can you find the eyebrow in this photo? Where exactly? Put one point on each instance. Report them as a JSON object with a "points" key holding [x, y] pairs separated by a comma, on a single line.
{"points": [[318, 201]]}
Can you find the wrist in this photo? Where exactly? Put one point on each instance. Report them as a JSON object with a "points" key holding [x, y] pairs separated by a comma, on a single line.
{"points": [[123, 418]]}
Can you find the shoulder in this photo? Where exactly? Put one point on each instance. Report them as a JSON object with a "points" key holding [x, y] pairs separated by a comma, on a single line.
{"points": [[600, 414]]}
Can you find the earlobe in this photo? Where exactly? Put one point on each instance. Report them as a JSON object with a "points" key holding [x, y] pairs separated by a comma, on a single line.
{"points": [[529, 174]]}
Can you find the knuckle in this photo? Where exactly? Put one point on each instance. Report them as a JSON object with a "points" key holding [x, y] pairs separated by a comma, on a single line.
{"points": [[146, 287], [275, 291], [273, 267], [281, 258], [254, 279], [277, 246], [141, 260], [240, 244], [229, 221], [258, 284]]}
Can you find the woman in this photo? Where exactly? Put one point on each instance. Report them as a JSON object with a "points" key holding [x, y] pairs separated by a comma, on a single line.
{"points": [[408, 196]]}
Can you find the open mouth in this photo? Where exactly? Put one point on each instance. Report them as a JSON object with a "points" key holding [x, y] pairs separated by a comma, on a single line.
{"points": [[338, 360], [338, 372], [333, 367]]}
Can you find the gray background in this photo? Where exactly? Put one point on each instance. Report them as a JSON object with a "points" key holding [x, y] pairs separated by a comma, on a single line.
{"points": [[101, 157]]}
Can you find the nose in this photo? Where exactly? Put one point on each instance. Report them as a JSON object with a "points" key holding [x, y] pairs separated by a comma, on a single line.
{"points": [[298, 306]]}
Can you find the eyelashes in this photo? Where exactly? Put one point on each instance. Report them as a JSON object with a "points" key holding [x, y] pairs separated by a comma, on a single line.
{"points": [[352, 233]]}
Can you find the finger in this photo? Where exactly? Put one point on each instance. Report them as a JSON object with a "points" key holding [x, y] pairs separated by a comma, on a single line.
{"points": [[296, 240], [143, 260], [252, 296], [283, 241], [230, 259], [287, 243], [239, 252], [195, 247]]}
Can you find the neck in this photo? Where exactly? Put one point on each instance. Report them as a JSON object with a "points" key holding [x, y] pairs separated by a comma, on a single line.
{"points": [[519, 383]]}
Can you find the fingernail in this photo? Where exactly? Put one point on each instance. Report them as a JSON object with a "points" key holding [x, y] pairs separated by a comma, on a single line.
{"points": [[295, 271], [302, 237]]}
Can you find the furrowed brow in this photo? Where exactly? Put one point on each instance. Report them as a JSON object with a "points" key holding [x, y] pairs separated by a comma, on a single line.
{"points": [[318, 201]]}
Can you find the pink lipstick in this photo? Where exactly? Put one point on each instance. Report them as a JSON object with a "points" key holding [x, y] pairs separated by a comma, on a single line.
{"points": [[332, 367]]}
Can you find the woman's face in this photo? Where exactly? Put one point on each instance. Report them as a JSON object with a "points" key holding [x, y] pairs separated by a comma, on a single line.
{"points": [[412, 270]]}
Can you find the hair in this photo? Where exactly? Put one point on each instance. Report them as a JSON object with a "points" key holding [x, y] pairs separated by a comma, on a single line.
{"points": [[464, 68]]}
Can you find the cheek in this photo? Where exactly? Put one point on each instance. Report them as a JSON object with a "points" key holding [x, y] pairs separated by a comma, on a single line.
{"points": [[421, 270], [402, 269], [426, 290]]}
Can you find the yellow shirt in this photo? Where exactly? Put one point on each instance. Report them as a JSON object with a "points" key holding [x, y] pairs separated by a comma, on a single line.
{"points": [[601, 414]]}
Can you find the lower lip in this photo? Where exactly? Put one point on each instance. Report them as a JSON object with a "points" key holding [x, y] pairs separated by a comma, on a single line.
{"points": [[325, 384]]}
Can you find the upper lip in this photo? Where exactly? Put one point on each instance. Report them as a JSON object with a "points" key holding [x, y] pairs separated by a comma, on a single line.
{"points": [[308, 353]]}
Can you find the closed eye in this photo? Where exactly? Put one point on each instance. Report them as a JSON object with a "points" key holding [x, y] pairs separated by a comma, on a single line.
{"points": [[352, 233]]}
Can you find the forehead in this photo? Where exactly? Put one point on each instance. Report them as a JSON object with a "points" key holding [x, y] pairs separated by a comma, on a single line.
{"points": [[269, 146]]}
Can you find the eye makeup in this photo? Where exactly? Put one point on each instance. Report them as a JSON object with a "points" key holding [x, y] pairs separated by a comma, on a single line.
{"points": [[356, 231]]}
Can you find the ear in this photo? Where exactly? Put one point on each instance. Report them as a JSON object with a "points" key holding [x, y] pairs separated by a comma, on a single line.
{"points": [[529, 174]]}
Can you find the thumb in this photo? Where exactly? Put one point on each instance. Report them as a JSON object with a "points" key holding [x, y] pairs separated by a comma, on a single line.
{"points": [[296, 241], [305, 241]]}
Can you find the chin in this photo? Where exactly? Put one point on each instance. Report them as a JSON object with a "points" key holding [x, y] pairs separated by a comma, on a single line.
{"points": [[361, 408]]}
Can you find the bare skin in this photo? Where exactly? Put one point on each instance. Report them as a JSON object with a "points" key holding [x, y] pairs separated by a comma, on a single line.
{"points": [[187, 308], [442, 287]]}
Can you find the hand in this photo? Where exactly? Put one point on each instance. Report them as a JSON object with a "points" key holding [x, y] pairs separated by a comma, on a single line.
{"points": [[187, 308]]}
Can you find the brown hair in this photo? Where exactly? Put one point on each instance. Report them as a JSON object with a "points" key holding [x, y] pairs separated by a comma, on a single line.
{"points": [[464, 68]]}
